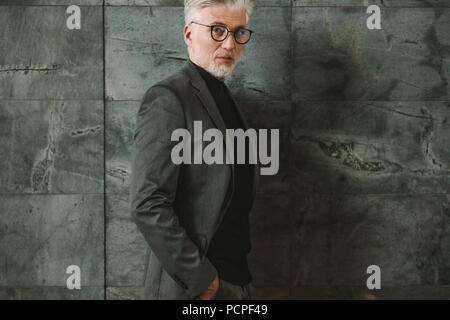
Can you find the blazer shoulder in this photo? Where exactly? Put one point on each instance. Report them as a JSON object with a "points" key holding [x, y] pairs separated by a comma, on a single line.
{"points": [[178, 83]]}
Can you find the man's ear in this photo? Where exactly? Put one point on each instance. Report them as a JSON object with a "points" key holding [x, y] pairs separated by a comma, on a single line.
{"points": [[187, 35]]}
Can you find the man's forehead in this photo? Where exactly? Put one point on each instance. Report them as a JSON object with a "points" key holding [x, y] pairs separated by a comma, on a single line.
{"points": [[225, 15]]}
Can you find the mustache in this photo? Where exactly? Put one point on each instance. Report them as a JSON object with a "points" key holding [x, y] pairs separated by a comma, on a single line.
{"points": [[225, 55]]}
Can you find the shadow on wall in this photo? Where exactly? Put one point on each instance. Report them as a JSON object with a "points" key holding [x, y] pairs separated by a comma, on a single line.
{"points": [[352, 155]]}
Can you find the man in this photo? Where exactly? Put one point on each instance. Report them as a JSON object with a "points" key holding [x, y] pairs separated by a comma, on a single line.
{"points": [[195, 217]]}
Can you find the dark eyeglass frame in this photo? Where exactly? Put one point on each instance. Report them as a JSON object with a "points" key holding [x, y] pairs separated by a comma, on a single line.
{"points": [[228, 31]]}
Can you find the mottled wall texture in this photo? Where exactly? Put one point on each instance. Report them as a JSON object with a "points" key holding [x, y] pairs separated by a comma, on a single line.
{"points": [[364, 136]]}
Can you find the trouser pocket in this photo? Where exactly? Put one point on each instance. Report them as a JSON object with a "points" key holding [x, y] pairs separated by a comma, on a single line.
{"points": [[248, 291]]}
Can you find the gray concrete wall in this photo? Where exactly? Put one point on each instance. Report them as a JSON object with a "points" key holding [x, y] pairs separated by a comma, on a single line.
{"points": [[364, 128]]}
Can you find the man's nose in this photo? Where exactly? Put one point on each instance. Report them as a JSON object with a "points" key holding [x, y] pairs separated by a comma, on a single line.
{"points": [[229, 42]]}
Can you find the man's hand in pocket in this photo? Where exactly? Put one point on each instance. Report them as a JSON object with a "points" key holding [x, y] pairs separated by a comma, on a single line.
{"points": [[211, 291]]}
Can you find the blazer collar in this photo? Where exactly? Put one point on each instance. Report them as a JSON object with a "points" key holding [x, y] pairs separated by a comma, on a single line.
{"points": [[204, 95], [210, 105]]}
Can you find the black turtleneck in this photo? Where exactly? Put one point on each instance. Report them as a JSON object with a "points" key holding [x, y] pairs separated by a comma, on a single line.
{"points": [[231, 243]]}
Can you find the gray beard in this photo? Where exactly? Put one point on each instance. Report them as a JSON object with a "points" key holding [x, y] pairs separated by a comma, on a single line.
{"points": [[219, 71]]}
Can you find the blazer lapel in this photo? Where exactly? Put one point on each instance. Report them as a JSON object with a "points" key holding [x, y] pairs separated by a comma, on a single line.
{"points": [[209, 104], [246, 126]]}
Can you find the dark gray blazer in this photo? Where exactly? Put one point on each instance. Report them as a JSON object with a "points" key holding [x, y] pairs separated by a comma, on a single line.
{"points": [[178, 208]]}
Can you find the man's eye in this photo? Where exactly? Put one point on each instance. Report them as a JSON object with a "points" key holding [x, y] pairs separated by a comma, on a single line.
{"points": [[241, 32], [219, 30]]}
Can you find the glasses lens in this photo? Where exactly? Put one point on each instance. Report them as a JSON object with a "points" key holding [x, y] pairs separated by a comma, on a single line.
{"points": [[242, 35], [219, 33]]}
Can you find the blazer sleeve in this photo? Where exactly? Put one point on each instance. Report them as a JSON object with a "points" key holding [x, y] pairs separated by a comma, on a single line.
{"points": [[154, 179]]}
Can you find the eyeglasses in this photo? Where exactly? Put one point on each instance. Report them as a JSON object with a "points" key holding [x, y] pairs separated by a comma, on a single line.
{"points": [[220, 33]]}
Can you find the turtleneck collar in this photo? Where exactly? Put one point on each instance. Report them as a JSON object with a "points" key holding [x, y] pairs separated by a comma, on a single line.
{"points": [[209, 78]]}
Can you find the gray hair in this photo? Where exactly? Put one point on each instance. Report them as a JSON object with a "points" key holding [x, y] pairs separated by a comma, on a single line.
{"points": [[192, 7]]}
